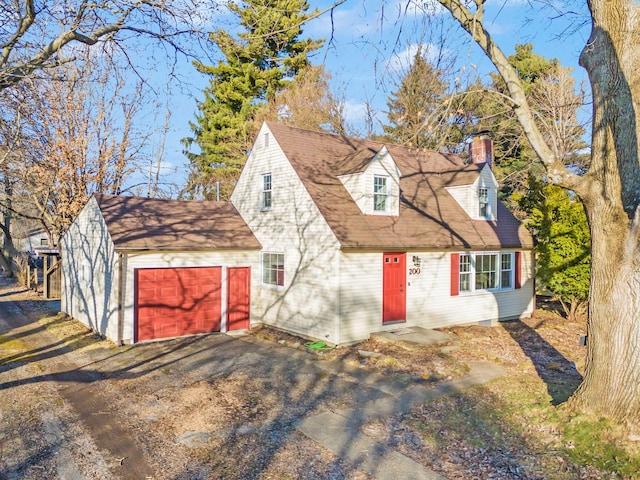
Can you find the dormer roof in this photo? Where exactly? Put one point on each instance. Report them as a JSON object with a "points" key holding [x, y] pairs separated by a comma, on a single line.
{"points": [[430, 218]]}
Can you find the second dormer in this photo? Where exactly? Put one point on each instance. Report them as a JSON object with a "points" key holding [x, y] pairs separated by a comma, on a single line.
{"points": [[480, 198], [375, 186]]}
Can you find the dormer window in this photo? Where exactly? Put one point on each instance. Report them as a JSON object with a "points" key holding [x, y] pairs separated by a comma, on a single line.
{"points": [[380, 193], [483, 200], [266, 191]]}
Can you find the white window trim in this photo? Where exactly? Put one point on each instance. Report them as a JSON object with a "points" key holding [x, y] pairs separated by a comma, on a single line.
{"points": [[386, 194], [262, 272], [487, 202], [472, 280], [263, 191]]}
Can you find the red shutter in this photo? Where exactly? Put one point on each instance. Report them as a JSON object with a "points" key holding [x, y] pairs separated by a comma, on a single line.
{"points": [[455, 274], [518, 276]]}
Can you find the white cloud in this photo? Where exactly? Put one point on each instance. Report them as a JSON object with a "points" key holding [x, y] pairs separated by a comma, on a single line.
{"points": [[355, 111], [401, 61], [344, 22], [420, 7]]}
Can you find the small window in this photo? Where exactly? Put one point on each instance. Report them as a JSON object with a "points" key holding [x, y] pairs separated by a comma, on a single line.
{"points": [[483, 200], [465, 273], [44, 242], [273, 269], [266, 191], [506, 270], [380, 194]]}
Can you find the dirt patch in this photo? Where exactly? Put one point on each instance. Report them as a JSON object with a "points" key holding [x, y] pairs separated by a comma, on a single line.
{"points": [[210, 407]]}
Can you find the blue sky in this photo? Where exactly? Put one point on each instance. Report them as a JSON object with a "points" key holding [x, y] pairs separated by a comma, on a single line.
{"points": [[371, 42]]}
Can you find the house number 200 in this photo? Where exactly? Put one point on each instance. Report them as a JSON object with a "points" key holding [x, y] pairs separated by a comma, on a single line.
{"points": [[414, 271]]}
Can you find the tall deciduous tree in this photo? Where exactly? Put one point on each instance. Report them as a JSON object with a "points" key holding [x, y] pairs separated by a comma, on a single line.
{"points": [[258, 63], [78, 135], [550, 91], [609, 191], [307, 103], [36, 35]]}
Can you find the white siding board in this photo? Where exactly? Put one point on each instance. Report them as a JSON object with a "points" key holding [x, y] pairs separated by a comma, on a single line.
{"points": [[360, 295], [90, 273], [356, 186], [307, 304], [467, 195], [429, 300]]}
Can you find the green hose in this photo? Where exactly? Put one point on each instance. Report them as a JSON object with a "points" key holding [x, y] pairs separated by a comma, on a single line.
{"points": [[318, 346]]}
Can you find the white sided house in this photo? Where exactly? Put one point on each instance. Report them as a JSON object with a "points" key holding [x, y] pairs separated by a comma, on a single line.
{"points": [[360, 237], [325, 236], [138, 269]]}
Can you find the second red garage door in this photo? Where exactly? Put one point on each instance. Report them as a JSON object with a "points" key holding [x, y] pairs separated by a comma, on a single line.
{"points": [[172, 302]]}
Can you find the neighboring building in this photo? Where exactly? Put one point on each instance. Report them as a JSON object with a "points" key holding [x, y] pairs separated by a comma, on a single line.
{"points": [[139, 269], [359, 237], [31, 240], [342, 237]]}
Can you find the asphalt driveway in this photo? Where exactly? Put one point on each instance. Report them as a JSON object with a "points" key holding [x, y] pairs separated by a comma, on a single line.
{"points": [[214, 406]]}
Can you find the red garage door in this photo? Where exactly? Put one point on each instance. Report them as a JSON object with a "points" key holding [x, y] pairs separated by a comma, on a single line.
{"points": [[171, 302], [238, 298]]}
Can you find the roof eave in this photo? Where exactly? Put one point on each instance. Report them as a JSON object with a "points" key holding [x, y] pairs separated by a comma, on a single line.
{"points": [[159, 248]]}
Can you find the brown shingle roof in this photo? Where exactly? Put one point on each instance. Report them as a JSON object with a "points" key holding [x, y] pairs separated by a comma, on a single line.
{"points": [[159, 224], [429, 216]]}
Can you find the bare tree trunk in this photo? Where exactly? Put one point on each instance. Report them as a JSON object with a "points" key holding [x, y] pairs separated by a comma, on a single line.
{"points": [[610, 192], [8, 250], [611, 384]]}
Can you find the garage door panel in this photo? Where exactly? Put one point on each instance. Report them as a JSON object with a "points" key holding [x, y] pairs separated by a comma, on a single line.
{"points": [[173, 302]]}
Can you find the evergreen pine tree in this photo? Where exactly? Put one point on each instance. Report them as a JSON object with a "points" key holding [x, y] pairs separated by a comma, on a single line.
{"points": [[416, 108], [257, 64]]}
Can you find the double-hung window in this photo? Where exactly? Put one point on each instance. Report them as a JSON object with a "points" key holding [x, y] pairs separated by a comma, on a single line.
{"points": [[266, 191], [506, 270], [273, 269], [465, 273], [380, 193], [483, 201], [485, 271]]}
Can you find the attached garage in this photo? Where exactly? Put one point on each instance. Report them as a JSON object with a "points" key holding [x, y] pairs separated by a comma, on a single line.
{"points": [[148, 269], [173, 302]]}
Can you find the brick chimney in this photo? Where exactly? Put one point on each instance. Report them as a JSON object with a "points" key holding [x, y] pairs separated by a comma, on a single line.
{"points": [[481, 149]]}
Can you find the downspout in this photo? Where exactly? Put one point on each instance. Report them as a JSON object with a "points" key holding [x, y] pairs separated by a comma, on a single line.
{"points": [[533, 275], [120, 298]]}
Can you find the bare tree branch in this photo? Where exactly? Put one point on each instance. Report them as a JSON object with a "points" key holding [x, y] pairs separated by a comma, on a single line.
{"points": [[472, 22], [27, 45]]}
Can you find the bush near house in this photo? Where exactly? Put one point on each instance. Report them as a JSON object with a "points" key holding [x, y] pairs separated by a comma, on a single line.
{"points": [[563, 247]]}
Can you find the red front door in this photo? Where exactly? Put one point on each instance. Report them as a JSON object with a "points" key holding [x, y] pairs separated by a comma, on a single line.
{"points": [[394, 297], [238, 297]]}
